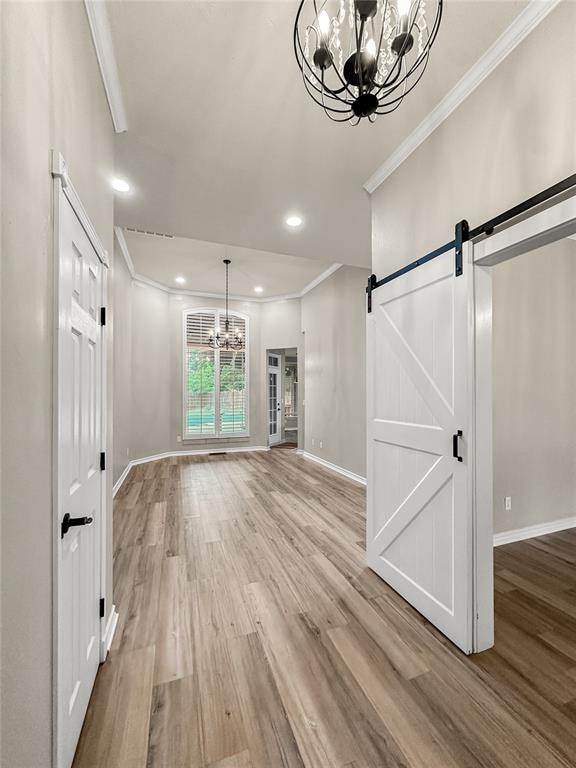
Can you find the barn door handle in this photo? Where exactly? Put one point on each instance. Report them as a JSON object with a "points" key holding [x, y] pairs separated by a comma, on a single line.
{"points": [[69, 522], [455, 445]]}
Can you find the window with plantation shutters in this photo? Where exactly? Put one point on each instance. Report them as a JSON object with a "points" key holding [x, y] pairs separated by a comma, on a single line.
{"points": [[215, 380]]}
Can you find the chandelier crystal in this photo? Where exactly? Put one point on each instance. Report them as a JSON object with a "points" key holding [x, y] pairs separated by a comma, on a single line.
{"points": [[226, 338], [360, 58]]}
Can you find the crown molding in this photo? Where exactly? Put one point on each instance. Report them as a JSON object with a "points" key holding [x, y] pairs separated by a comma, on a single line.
{"points": [[142, 280], [147, 282], [124, 249], [102, 39], [535, 12], [320, 279]]}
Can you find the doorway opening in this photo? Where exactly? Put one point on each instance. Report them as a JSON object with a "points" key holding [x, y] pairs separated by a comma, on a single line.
{"points": [[534, 406], [282, 393], [534, 457], [525, 284]]}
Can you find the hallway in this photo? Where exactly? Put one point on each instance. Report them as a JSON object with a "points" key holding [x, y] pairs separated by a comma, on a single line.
{"points": [[252, 636]]}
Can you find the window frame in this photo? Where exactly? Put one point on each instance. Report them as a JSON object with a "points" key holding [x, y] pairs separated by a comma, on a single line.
{"points": [[219, 313]]}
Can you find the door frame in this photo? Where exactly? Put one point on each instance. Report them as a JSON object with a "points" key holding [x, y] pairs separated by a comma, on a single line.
{"points": [[547, 226], [279, 384], [63, 190]]}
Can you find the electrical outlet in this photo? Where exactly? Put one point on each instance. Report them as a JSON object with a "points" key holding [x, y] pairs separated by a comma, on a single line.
{"points": [[178, 438], [313, 442], [127, 451], [320, 443], [508, 503]]}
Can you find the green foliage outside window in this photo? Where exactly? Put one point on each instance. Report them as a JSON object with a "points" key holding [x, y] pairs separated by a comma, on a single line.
{"points": [[201, 374]]}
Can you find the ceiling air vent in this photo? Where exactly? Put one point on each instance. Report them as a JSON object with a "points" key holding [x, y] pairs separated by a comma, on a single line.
{"points": [[149, 234]]}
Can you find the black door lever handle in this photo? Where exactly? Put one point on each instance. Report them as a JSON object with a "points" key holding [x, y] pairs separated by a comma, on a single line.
{"points": [[455, 445], [69, 522]]}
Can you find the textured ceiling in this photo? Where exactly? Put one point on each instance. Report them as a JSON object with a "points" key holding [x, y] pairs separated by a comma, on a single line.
{"points": [[200, 264], [223, 141]]}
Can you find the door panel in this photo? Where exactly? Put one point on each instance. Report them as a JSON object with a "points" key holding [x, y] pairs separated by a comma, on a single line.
{"points": [[420, 517], [80, 280]]}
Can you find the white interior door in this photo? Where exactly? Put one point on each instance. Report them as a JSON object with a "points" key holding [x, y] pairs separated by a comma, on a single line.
{"points": [[420, 513], [78, 428], [274, 400]]}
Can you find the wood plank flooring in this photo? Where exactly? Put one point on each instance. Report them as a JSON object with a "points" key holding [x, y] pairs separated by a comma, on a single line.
{"points": [[251, 635]]}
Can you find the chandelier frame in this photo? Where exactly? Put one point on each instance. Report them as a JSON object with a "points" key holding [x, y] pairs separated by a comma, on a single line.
{"points": [[356, 91]]}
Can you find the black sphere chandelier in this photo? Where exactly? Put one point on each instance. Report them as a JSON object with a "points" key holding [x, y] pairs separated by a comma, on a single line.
{"points": [[360, 58]]}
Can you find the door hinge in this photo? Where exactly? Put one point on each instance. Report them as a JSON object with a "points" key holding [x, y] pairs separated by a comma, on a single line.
{"points": [[102, 607], [462, 235], [102, 315], [102, 461]]}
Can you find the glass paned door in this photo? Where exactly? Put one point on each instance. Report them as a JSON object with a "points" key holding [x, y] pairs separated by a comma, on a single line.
{"points": [[274, 401]]}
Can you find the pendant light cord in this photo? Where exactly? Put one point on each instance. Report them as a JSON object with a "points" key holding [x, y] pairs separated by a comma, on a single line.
{"points": [[227, 321]]}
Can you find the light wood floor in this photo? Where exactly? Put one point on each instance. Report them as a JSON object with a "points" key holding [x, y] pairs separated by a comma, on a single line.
{"points": [[252, 636]]}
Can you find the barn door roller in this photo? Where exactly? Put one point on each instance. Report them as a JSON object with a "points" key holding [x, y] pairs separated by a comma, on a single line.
{"points": [[461, 235]]}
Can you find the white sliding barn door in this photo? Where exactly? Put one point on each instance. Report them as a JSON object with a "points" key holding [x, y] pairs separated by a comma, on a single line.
{"points": [[79, 477], [420, 516]]}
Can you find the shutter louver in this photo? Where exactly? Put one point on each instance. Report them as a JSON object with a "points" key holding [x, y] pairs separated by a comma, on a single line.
{"points": [[198, 327]]}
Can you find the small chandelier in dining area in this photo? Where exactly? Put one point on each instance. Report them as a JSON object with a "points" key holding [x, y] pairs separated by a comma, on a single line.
{"points": [[360, 58], [227, 337]]}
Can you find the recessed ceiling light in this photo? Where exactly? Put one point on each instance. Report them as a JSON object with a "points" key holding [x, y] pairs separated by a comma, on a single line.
{"points": [[180, 279], [258, 289], [120, 185], [294, 221]]}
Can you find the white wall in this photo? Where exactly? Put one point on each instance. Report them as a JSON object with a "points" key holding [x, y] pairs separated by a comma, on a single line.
{"points": [[151, 372], [52, 96], [534, 359], [282, 329], [121, 315], [281, 324], [334, 326], [513, 137]]}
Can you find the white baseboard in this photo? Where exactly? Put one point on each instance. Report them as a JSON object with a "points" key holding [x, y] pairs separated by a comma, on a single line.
{"points": [[333, 467], [106, 641], [123, 476], [196, 452], [541, 529]]}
